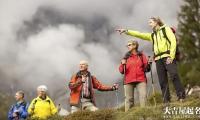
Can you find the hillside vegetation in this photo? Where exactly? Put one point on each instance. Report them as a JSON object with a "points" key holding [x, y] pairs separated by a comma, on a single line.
{"points": [[150, 112]]}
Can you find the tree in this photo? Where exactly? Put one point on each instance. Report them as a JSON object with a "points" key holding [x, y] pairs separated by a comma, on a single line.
{"points": [[189, 41]]}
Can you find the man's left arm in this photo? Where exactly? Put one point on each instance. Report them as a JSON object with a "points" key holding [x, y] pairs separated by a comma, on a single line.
{"points": [[100, 86]]}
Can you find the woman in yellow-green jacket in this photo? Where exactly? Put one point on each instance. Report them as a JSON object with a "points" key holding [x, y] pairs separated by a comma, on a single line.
{"points": [[42, 106], [164, 52]]}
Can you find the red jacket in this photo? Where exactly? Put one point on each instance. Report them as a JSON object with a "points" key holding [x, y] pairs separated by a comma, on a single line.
{"points": [[75, 85], [134, 71]]}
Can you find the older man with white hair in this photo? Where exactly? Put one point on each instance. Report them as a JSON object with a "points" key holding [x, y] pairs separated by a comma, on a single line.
{"points": [[82, 84], [42, 106]]}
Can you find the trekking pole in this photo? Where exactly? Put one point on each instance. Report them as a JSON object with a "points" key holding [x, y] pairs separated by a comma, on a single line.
{"points": [[81, 100], [117, 96], [124, 69], [124, 78], [152, 83]]}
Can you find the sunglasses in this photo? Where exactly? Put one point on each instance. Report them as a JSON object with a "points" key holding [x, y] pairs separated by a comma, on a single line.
{"points": [[131, 44]]}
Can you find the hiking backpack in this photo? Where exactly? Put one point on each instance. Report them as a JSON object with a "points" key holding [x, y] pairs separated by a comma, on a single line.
{"points": [[177, 54]]}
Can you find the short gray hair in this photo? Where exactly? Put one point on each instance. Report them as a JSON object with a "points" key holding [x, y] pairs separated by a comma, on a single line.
{"points": [[83, 62], [21, 93]]}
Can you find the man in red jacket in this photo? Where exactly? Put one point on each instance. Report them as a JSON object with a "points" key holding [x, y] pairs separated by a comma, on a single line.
{"points": [[133, 65], [81, 85]]}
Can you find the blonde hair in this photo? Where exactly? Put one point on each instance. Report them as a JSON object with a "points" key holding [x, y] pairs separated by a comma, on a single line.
{"points": [[157, 20], [134, 42]]}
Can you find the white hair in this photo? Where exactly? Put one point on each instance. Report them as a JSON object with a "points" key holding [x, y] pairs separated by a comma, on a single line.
{"points": [[83, 62], [42, 88]]}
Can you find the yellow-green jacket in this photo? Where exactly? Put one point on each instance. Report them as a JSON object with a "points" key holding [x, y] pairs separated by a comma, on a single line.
{"points": [[161, 44], [42, 108]]}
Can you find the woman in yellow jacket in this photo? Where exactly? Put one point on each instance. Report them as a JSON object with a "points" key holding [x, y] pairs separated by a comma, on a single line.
{"points": [[164, 52], [42, 106]]}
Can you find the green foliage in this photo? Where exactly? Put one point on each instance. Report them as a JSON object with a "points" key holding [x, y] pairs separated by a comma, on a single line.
{"points": [[189, 41], [150, 112], [106, 114], [54, 117], [5, 103], [190, 72], [158, 98]]}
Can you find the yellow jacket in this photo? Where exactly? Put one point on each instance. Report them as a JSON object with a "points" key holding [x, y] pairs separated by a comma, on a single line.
{"points": [[161, 44], [42, 108]]}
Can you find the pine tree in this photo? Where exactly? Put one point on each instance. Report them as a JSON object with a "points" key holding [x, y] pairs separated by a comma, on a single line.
{"points": [[189, 41]]}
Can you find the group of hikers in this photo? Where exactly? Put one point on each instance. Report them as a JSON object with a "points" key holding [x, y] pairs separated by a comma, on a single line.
{"points": [[133, 65], [40, 107]]}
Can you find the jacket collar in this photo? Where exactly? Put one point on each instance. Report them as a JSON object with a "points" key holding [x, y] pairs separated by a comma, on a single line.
{"points": [[47, 98], [162, 27], [159, 28]]}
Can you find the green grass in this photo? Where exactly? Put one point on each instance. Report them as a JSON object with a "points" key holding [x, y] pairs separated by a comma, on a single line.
{"points": [[150, 112]]}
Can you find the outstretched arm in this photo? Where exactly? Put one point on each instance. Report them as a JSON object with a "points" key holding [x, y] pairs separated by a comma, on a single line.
{"points": [[101, 87], [144, 36]]}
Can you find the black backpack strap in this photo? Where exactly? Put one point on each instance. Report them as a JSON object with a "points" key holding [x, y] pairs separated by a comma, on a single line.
{"points": [[165, 34], [35, 101], [48, 101], [152, 34], [152, 37], [147, 68], [141, 58], [127, 55], [78, 74]]}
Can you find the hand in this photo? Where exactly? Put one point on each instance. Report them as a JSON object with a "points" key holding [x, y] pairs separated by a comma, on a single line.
{"points": [[169, 60], [15, 114], [33, 107], [150, 60], [121, 31], [58, 107], [123, 61], [115, 86]]}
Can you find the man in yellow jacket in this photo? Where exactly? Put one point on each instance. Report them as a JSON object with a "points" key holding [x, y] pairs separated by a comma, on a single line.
{"points": [[164, 53], [42, 106]]}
